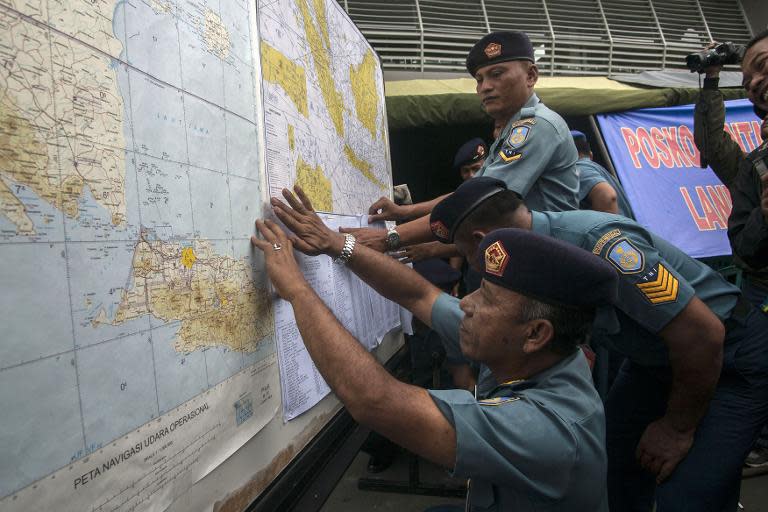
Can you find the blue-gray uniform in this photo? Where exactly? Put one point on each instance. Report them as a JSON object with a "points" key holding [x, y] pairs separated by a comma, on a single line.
{"points": [[532, 445], [590, 174], [657, 282], [535, 156]]}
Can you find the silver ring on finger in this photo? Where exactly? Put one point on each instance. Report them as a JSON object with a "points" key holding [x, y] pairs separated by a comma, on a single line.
{"points": [[276, 246]]}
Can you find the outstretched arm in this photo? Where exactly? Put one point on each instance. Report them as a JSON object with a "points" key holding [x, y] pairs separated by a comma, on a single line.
{"points": [[386, 209], [404, 413], [413, 232], [386, 275]]}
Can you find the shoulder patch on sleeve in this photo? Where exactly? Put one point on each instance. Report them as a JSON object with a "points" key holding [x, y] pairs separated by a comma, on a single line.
{"points": [[659, 285], [499, 400], [510, 154], [598, 248], [518, 135], [627, 258]]}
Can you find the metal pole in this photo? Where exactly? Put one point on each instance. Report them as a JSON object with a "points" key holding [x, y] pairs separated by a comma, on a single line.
{"points": [[610, 37], [552, 34], [485, 16], [421, 35], [704, 20], [598, 138], [746, 20], [661, 34]]}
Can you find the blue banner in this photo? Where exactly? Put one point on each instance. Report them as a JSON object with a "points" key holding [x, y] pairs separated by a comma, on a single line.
{"points": [[658, 164]]}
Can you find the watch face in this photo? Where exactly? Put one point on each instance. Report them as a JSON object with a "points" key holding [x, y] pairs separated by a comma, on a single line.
{"points": [[393, 239]]}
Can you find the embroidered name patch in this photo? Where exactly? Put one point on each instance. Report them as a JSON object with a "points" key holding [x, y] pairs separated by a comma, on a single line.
{"points": [[598, 248], [496, 259], [528, 120], [659, 286], [499, 400], [626, 257]]}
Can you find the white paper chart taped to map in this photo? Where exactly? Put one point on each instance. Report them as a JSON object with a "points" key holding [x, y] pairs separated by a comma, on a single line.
{"points": [[362, 311], [132, 137]]}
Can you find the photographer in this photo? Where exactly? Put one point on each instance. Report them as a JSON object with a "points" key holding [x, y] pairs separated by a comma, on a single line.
{"points": [[746, 177], [716, 146]]}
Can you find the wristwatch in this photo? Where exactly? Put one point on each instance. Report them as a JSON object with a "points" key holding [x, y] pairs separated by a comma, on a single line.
{"points": [[392, 240]]}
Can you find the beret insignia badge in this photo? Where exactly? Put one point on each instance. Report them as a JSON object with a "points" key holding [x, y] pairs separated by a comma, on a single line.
{"points": [[480, 151], [492, 50], [496, 259], [439, 230]]}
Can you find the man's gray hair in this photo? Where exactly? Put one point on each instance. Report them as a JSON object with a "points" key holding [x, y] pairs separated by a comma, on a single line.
{"points": [[572, 326]]}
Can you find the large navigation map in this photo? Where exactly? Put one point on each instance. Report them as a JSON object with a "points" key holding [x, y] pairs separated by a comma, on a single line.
{"points": [[129, 183], [325, 120], [138, 142]]}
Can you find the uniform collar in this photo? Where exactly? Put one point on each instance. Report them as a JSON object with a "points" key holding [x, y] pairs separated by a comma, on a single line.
{"points": [[533, 100], [540, 223], [536, 380]]}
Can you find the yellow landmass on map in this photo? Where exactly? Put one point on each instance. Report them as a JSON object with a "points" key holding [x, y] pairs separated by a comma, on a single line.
{"points": [[315, 185], [363, 81], [216, 35], [321, 55], [291, 137], [161, 6], [362, 166], [322, 21], [214, 298], [278, 69], [58, 152]]}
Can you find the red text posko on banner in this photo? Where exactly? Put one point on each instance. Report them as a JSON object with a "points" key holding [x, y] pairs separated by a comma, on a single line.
{"points": [[657, 161]]}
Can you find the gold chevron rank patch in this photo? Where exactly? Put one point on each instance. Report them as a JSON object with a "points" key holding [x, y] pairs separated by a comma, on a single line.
{"points": [[659, 286]]}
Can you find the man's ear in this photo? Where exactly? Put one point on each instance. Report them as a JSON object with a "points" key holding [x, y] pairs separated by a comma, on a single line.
{"points": [[539, 333], [532, 76], [478, 235]]}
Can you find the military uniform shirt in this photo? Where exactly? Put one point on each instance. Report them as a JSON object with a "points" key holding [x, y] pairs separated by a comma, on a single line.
{"points": [[657, 280], [532, 445], [590, 174], [535, 156]]}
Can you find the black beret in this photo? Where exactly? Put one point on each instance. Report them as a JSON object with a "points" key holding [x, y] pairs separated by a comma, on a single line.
{"points": [[469, 152], [499, 47], [546, 269], [448, 214]]}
